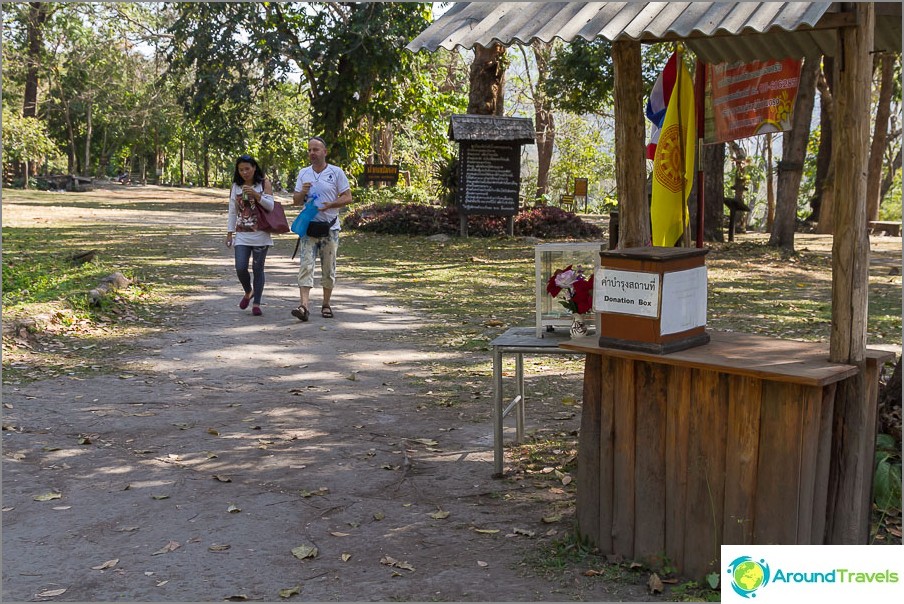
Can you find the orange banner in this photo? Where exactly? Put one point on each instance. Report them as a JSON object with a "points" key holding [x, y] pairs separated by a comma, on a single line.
{"points": [[753, 98]]}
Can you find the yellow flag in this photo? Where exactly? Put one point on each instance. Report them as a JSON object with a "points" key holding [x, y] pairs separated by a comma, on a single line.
{"points": [[673, 165]]}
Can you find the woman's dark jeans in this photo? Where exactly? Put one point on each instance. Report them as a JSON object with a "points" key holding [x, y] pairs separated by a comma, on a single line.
{"points": [[258, 253]]}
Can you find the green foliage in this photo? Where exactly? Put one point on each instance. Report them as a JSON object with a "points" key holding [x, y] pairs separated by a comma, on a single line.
{"points": [[891, 205], [582, 150], [25, 138], [385, 196], [582, 80], [887, 476], [445, 174]]}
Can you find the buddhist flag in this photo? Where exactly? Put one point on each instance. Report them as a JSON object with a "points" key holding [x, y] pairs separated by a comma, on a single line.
{"points": [[673, 165]]}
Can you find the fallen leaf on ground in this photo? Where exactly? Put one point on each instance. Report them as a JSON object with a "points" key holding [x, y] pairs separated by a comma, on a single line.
{"points": [[338, 534], [222, 478], [107, 564], [346, 557], [424, 441], [551, 519], [390, 561], [50, 593], [291, 591], [62, 507], [379, 515], [654, 584], [525, 532], [305, 550], [169, 547], [218, 547], [487, 531], [48, 496], [441, 514], [482, 564], [213, 432], [159, 496], [232, 509]]}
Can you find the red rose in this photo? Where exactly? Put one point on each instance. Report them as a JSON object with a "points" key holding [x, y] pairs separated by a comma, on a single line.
{"points": [[583, 295]]}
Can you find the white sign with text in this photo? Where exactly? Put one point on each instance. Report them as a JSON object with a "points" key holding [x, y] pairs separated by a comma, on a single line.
{"points": [[626, 292], [684, 300]]}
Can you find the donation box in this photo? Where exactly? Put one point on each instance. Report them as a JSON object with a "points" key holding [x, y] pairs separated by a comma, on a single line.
{"points": [[651, 299]]}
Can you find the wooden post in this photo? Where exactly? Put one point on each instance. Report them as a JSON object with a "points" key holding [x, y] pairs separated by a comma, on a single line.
{"points": [[850, 246], [630, 173], [854, 433]]}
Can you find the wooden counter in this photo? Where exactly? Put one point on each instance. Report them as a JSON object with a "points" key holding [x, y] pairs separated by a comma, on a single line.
{"points": [[730, 442]]}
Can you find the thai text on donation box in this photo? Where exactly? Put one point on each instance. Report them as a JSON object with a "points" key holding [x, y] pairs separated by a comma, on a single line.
{"points": [[651, 299]]}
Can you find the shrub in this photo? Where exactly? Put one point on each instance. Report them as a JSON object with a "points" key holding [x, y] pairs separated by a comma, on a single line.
{"points": [[388, 195], [407, 219]]}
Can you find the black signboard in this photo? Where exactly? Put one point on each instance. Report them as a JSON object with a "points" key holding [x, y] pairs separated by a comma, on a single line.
{"points": [[489, 177], [381, 173]]}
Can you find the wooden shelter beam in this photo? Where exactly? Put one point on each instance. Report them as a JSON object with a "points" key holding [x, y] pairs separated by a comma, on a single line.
{"points": [[630, 163]]}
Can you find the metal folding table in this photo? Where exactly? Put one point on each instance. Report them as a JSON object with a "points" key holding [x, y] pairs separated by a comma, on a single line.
{"points": [[518, 341]]}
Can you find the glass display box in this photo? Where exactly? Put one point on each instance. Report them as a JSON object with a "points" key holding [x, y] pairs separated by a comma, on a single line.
{"points": [[548, 258]]}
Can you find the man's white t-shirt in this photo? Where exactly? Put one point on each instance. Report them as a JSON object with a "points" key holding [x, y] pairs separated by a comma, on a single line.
{"points": [[325, 188]]}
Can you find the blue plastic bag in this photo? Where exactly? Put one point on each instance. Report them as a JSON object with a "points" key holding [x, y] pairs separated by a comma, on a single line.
{"points": [[300, 224]]}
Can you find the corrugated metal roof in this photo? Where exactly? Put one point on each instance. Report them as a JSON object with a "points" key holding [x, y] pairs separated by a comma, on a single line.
{"points": [[714, 31]]}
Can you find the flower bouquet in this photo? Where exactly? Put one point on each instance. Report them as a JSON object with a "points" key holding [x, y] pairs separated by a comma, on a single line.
{"points": [[575, 293]]}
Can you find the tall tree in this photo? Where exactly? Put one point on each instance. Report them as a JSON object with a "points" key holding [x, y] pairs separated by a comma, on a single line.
{"points": [[487, 75], [544, 119], [38, 13], [793, 151], [824, 154], [350, 58], [713, 191], [882, 112]]}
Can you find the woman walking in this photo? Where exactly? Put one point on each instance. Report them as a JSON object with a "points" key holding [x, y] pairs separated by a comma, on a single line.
{"points": [[249, 188]]}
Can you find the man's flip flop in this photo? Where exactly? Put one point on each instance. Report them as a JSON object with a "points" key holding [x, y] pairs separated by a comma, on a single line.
{"points": [[301, 312], [326, 312]]}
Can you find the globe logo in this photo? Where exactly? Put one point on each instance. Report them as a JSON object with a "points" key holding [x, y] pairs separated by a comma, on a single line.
{"points": [[748, 575]]}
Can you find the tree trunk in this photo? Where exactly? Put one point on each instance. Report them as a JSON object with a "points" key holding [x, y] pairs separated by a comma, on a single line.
{"points": [[544, 118], [824, 154], [880, 135], [88, 131], [630, 175], [794, 149], [181, 163], [487, 80], [889, 177], [206, 163], [385, 148], [713, 191], [38, 12]]}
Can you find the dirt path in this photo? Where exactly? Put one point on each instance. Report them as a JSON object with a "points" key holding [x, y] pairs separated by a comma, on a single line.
{"points": [[236, 439]]}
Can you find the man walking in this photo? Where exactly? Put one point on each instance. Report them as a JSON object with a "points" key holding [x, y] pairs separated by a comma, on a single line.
{"points": [[327, 187]]}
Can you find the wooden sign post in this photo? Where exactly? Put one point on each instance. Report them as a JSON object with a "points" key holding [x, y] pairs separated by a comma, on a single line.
{"points": [[489, 170], [388, 173]]}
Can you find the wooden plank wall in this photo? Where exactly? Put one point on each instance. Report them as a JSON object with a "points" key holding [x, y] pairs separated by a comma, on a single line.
{"points": [[675, 461]]}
